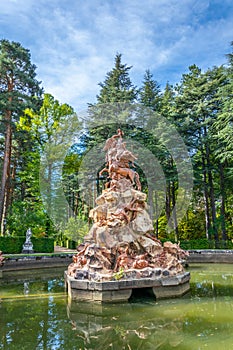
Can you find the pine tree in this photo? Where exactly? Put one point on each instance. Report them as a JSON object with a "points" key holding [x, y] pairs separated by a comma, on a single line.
{"points": [[198, 103], [222, 134], [19, 90], [149, 93], [117, 86], [223, 125]]}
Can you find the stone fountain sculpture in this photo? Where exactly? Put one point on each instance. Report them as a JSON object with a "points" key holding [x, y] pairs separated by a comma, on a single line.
{"points": [[28, 246], [120, 252]]}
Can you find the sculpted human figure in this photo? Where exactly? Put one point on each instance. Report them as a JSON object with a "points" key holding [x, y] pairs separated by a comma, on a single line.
{"points": [[118, 159], [124, 259]]}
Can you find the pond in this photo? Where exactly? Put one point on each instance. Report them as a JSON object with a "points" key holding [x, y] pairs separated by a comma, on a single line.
{"points": [[35, 314]]}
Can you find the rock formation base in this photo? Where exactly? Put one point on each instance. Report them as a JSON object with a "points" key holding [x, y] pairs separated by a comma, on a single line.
{"points": [[121, 248]]}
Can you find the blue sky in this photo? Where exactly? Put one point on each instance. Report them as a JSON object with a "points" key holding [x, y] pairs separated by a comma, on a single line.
{"points": [[73, 42]]}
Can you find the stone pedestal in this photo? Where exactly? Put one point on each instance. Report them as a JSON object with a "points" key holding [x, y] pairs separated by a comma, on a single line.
{"points": [[121, 290]]}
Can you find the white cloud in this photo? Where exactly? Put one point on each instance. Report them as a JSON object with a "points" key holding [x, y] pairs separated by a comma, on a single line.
{"points": [[74, 43], [15, 6]]}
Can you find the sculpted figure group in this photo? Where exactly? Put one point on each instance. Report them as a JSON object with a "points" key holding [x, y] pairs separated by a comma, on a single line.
{"points": [[118, 160], [121, 237]]}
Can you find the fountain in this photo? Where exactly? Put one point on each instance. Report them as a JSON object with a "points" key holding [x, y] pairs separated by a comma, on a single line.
{"points": [[120, 253]]}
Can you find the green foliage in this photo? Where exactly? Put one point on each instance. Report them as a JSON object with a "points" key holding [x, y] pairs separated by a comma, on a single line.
{"points": [[27, 214], [192, 226], [11, 245], [47, 128], [197, 244], [202, 243], [205, 244], [76, 229], [43, 245], [200, 107], [17, 70], [19, 90], [117, 86], [118, 275], [162, 222], [149, 93], [14, 245]]}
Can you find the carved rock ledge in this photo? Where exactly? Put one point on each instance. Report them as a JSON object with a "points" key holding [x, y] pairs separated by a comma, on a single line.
{"points": [[121, 290], [120, 252]]}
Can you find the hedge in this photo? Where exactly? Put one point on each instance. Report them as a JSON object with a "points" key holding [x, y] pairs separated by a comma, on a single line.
{"points": [[203, 243], [14, 245]]}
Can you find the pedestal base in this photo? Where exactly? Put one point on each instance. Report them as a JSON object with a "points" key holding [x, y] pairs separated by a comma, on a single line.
{"points": [[27, 251], [121, 290]]}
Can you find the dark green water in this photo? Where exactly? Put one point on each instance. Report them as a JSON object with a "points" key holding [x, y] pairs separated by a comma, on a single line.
{"points": [[35, 314]]}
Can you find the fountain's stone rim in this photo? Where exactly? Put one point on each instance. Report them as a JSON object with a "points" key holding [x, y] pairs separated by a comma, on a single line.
{"points": [[129, 282], [121, 290]]}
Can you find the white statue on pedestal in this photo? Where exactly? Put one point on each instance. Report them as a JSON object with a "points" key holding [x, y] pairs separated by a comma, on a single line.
{"points": [[28, 246]]}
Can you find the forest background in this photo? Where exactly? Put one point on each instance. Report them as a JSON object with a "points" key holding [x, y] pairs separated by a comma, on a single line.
{"points": [[200, 106]]}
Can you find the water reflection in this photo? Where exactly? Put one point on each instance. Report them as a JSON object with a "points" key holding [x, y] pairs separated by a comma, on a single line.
{"points": [[129, 326], [26, 288], [35, 314]]}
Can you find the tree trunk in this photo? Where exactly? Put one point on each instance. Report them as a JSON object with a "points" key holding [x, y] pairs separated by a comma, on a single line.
{"points": [[6, 203], [223, 195], [212, 197], [4, 194], [206, 198], [98, 183], [49, 201], [156, 216], [213, 208], [12, 183], [168, 201], [175, 223]]}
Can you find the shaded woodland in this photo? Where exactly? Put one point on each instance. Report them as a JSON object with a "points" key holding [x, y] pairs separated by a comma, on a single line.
{"points": [[200, 106]]}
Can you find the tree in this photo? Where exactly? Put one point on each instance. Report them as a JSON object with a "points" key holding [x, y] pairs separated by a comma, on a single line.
{"points": [[149, 93], [198, 103], [50, 129], [117, 86], [222, 134], [117, 94], [223, 131], [19, 90]]}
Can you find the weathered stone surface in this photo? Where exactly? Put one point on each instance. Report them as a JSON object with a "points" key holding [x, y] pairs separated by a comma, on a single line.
{"points": [[176, 291], [120, 251], [142, 223], [121, 290], [210, 256], [2, 259], [79, 284], [152, 247], [172, 281]]}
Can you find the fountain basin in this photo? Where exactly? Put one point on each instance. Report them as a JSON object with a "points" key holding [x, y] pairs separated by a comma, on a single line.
{"points": [[121, 290]]}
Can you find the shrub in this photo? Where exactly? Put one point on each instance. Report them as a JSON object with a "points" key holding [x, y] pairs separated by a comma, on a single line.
{"points": [[43, 245], [11, 245], [204, 243], [14, 245]]}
